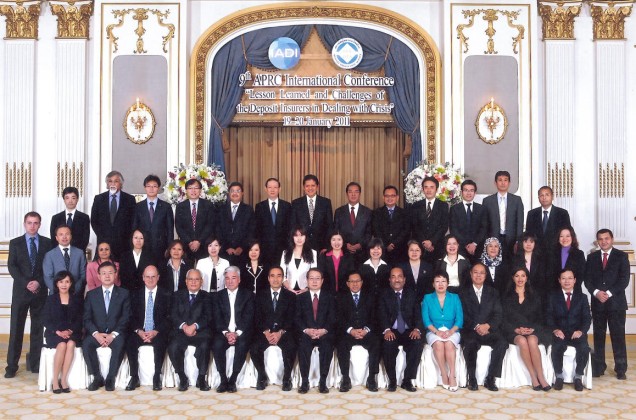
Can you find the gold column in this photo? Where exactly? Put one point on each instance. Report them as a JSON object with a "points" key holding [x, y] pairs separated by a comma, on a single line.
{"points": [[558, 18], [608, 19], [21, 20], [73, 18]]}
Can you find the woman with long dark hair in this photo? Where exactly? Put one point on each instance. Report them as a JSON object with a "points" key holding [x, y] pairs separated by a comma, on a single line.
{"points": [[254, 272], [296, 261], [134, 262], [335, 264]]}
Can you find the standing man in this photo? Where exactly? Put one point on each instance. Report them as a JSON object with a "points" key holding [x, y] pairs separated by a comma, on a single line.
{"points": [[272, 217], [546, 222], [429, 218], [354, 222], [313, 212], [505, 214], [106, 317], [195, 220], [155, 219], [606, 278], [79, 222], [236, 226], [112, 215], [469, 223], [392, 225], [65, 257], [26, 254]]}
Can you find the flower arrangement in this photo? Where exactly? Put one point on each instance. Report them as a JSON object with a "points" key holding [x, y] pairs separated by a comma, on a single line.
{"points": [[450, 179], [211, 177]]}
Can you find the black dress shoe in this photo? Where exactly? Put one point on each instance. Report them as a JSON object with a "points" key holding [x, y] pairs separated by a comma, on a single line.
{"points": [[621, 376], [223, 387], [304, 388], [184, 383], [66, 390], [10, 374], [287, 385], [322, 387], [558, 384], [96, 384], [546, 388], [392, 386], [57, 391], [261, 384], [231, 387], [408, 385], [372, 384], [202, 384], [109, 384], [345, 385], [537, 388], [156, 383], [491, 384], [578, 385], [472, 384], [133, 384]]}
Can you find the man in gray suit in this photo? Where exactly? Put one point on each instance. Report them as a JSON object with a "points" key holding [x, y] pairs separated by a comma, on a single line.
{"points": [[353, 221], [505, 214], [65, 257]]}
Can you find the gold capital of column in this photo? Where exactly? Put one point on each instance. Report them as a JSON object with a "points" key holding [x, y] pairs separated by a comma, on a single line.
{"points": [[558, 22], [73, 18], [608, 19], [22, 19]]}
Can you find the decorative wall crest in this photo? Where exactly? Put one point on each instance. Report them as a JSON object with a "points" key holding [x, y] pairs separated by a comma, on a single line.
{"points": [[73, 19], [22, 21], [490, 16], [558, 22], [140, 15], [609, 21]]}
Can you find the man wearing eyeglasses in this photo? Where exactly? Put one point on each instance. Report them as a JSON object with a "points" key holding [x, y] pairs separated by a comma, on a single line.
{"points": [[391, 224], [194, 220]]}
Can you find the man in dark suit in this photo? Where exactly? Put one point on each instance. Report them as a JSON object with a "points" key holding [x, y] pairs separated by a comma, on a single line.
{"points": [[149, 326], [568, 317], [191, 317], [505, 214], [275, 310], [26, 254], [155, 219], [468, 222], [233, 310], [194, 220], [112, 215], [400, 318], [79, 222], [65, 257], [546, 222], [313, 212], [357, 327], [316, 325], [106, 317], [391, 224], [429, 218], [483, 317], [235, 227], [272, 217], [354, 222], [606, 278]]}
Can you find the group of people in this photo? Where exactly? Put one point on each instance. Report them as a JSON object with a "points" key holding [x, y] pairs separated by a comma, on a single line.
{"points": [[296, 275]]}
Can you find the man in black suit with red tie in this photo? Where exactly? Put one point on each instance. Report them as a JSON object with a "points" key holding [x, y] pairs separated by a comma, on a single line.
{"points": [[272, 217], [195, 220], [235, 227], [391, 224], [353, 221], [26, 254], [112, 215], [316, 325], [275, 310], [155, 219], [357, 327], [79, 222], [468, 222], [546, 222], [568, 317], [149, 326], [313, 212], [606, 278], [429, 218]]}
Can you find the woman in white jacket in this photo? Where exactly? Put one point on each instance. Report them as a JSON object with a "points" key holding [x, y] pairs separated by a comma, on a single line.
{"points": [[296, 261]]}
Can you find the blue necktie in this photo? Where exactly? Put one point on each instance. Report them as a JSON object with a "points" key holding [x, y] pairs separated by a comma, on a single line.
{"points": [[33, 253], [113, 208], [67, 259], [152, 211], [275, 300], [69, 221], [401, 325], [469, 213], [274, 213], [107, 299], [356, 299], [149, 323], [544, 223], [192, 297]]}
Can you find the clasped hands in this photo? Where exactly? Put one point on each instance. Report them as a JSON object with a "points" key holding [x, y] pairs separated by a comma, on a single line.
{"points": [[358, 333], [483, 329], [524, 331], [273, 337], [315, 333], [33, 286], [190, 330], [414, 335], [602, 296], [104, 339], [428, 245], [353, 248], [147, 336], [231, 337], [561, 335], [66, 334]]}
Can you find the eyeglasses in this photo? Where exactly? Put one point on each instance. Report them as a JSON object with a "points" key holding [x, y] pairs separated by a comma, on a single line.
{"points": [[193, 188], [390, 195]]}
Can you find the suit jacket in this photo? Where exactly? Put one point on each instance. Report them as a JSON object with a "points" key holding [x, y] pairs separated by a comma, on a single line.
{"points": [[326, 312], [392, 230], [238, 232], [200, 312], [243, 311], [502, 280], [575, 262], [117, 234], [489, 311], [19, 266], [265, 318], [424, 283], [273, 238], [463, 269], [411, 309], [360, 232], [158, 233], [475, 232], [615, 279], [166, 275], [538, 272], [351, 316], [54, 262], [318, 229], [116, 320], [431, 228], [130, 273], [578, 318], [160, 312], [514, 217], [325, 264], [559, 219], [205, 224], [55, 319], [374, 281], [254, 281], [80, 229]]}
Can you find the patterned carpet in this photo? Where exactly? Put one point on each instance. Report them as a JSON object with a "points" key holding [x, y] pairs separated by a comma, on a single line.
{"points": [[610, 398]]}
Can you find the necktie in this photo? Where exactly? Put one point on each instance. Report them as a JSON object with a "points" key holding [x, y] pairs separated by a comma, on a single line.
{"points": [[149, 323], [352, 216], [194, 216], [311, 210], [113, 208], [469, 213], [314, 304], [568, 301], [234, 207], [192, 297], [401, 325], [213, 279], [107, 299], [502, 215], [544, 223], [479, 296], [33, 253], [275, 300], [67, 259], [274, 214], [356, 299], [152, 211], [69, 221], [604, 260], [429, 210], [391, 214]]}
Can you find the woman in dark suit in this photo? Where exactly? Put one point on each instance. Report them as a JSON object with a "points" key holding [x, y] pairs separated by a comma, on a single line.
{"points": [[173, 270], [63, 322], [567, 255], [335, 264], [497, 271], [134, 262], [456, 266], [254, 272], [530, 257], [375, 272], [418, 274]]}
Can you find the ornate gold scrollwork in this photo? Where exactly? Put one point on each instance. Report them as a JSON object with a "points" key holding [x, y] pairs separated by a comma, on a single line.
{"points": [[490, 16], [72, 21], [17, 180], [22, 21], [611, 180], [561, 179], [558, 22], [70, 176], [140, 15], [609, 22]]}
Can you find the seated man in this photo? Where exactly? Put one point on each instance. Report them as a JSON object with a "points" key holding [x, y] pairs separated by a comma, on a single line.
{"points": [[483, 316], [233, 310], [106, 316], [191, 316], [316, 324], [356, 327], [400, 318], [569, 318], [275, 309], [149, 326]]}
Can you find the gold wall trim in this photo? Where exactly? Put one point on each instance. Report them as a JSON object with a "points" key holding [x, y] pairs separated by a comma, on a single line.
{"points": [[73, 21], [70, 176], [490, 16], [332, 11], [561, 179], [140, 15], [558, 22], [17, 180], [609, 20], [611, 180], [22, 21]]}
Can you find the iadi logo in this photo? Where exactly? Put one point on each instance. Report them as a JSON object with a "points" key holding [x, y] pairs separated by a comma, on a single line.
{"points": [[284, 53]]}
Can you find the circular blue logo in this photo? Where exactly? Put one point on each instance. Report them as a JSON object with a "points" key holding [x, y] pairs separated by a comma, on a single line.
{"points": [[347, 53], [284, 53]]}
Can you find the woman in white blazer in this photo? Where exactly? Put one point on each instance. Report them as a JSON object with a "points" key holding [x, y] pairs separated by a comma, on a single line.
{"points": [[296, 261], [213, 266]]}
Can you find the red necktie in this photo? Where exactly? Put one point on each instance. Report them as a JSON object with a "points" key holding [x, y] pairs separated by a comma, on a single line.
{"points": [[315, 306], [568, 300], [604, 260], [352, 216]]}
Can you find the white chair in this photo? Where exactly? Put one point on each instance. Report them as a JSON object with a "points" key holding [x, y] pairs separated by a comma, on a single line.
{"points": [[431, 373], [569, 367], [358, 367], [514, 373], [314, 371], [146, 368], [77, 377]]}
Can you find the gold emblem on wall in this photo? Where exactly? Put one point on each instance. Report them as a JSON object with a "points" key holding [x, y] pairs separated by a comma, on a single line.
{"points": [[17, 180], [140, 15], [22, 21], [558, 22], [611, 180], [609, 22], [491, 123], [490, 16], [70, 176], [72, 20], [561, 179], [139, 123]]}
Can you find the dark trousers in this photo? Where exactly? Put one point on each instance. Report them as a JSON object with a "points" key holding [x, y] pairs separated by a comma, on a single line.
{"points": [[582, 352], [89, 350], [413, 349], [472, 342], [241, 348], [370, 342], [287, 344], [616, 322], [305, 347], [20, 306], [159, 345], [178, 346]]}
